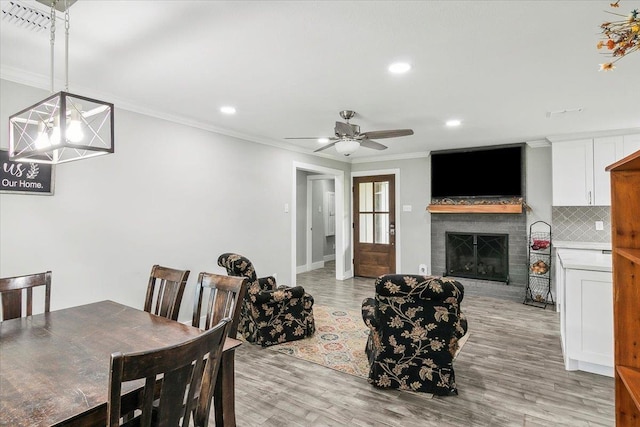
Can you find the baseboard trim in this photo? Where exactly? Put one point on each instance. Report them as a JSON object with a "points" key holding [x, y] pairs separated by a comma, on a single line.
{"points": [[316, 265]]}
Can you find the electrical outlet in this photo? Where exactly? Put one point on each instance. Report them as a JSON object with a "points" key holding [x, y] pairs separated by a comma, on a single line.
{"points": [[600, 225]]}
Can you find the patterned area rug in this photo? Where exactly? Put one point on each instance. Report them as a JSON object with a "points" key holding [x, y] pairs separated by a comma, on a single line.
{"points": [[339, 341]]}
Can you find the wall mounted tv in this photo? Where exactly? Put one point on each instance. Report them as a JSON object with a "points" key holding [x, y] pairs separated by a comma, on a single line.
{"points": [[487, 172]]}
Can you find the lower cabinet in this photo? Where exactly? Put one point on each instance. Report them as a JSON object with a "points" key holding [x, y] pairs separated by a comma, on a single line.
{"points": [[588, 321]]}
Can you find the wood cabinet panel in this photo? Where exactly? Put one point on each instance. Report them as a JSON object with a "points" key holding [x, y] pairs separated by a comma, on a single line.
{"points": [[625, 239]]}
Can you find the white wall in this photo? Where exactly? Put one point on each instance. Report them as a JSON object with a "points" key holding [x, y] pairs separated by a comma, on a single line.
{"points": [[539, 184], [171, 195]]}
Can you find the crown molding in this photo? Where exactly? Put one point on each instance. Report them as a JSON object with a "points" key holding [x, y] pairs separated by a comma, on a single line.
{"points": [[404, 156], [539, 143], [597, 134], [42, 82]]}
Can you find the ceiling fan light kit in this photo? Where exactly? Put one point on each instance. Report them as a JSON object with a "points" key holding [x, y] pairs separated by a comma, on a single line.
{"points": [[63, 127], [347, 146]]}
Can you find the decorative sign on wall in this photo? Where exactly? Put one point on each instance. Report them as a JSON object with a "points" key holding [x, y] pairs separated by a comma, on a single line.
{"points": [[25, 177]]}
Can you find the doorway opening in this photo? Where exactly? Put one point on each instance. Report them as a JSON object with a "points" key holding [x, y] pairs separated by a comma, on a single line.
{"points": [[321, 223], [299, 221]]}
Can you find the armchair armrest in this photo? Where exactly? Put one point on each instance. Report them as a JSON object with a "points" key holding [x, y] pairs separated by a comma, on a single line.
{"points": [[282, 293], [267, 283], [368, 313]]}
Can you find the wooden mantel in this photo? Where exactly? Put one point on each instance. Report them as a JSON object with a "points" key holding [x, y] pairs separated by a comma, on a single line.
{"points": [[479, 208]]}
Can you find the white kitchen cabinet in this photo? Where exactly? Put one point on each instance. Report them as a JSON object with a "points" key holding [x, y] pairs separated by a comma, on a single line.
{"points": [[606, 151], [584, 283], [630, 143], [578, 167], [572, 172], [589, 321]]}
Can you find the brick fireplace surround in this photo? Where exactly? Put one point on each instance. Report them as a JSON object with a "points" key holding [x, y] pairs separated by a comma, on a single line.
{"points": [[515, 225]]}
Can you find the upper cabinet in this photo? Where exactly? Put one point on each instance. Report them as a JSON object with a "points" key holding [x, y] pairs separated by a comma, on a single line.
{"points": [[572, 170], [578, 167]]}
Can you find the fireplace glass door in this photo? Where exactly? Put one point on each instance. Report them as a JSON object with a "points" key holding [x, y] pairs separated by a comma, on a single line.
{"points": [[478, 256]]}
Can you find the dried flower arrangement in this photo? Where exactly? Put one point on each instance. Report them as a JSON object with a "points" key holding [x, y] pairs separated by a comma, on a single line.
{"points": [[620, 37]]}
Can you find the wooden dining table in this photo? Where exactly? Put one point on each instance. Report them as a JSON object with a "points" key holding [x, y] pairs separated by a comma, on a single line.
{"points": [[54, 367]]}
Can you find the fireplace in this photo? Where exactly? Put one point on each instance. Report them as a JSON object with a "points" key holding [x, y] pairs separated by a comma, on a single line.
{"points": [[514, 226], [478, 256]]}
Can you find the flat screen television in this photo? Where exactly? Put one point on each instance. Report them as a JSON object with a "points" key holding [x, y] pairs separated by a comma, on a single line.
{"points": [[487, 172]]}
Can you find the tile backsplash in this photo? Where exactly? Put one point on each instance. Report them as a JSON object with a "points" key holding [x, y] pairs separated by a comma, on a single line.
{"points": [[578, 223]]}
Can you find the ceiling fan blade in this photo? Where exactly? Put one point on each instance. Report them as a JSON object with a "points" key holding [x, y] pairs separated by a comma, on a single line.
{"points": [[324, 147], [372, 144], [346, 129], [311, 137], [392, 133]]}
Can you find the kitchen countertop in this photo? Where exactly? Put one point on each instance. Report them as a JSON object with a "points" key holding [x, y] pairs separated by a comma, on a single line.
{"points": [[581, 245], [580, 259]]}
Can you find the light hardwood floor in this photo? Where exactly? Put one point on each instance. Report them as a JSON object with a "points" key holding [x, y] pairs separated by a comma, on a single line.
{"points": [[510, 373]]}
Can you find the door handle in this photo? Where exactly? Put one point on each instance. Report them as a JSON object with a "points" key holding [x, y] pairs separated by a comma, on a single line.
{"points": [[392, 229]]}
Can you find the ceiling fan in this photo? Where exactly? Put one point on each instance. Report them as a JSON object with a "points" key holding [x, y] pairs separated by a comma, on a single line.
{"points": [[348, 137]]}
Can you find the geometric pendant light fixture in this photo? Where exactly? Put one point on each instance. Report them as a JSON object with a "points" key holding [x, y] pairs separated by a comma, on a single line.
{"points": [[63, 127]]}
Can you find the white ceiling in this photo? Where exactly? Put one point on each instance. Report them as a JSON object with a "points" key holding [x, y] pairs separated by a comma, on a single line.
{"points": [[289, 67]]}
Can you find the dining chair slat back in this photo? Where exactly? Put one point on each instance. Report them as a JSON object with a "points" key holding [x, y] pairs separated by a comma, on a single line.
{"points": [[165, 291], [13, 290], [179, 381], [222, 296]]}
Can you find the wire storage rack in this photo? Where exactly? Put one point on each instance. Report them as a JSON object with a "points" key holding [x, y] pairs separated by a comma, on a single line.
{"points": [[538, 291]]}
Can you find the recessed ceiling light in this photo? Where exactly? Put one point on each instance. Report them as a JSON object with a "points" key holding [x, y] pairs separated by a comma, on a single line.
{"points": [[399, 67], [323, 140], [227, 110], [453, 123]]}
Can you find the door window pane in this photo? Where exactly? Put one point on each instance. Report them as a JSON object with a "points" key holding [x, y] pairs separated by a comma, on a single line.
{"points": [[382, 196], [366, 228], [382, 228], [366, 196]]}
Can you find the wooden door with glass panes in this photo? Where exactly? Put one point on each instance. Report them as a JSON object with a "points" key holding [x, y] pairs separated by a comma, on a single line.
{"points": [[374, 216]]}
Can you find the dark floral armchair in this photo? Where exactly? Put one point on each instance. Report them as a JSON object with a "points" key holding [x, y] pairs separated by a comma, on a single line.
{"points": [[415, 323], [270, 314]]}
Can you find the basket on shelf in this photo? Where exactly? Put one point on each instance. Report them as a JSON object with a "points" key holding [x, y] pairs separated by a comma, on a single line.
{"points": [[539, 267]]}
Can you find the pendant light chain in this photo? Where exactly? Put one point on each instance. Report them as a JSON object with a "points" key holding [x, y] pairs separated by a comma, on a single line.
{"points": [[52, 38], [66, 46], [56, 130]]}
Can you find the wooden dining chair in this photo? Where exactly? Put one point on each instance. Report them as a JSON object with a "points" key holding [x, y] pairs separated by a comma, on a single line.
{"points": [[165, 290], [222, 296], [12, 290], [179, 381]]}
